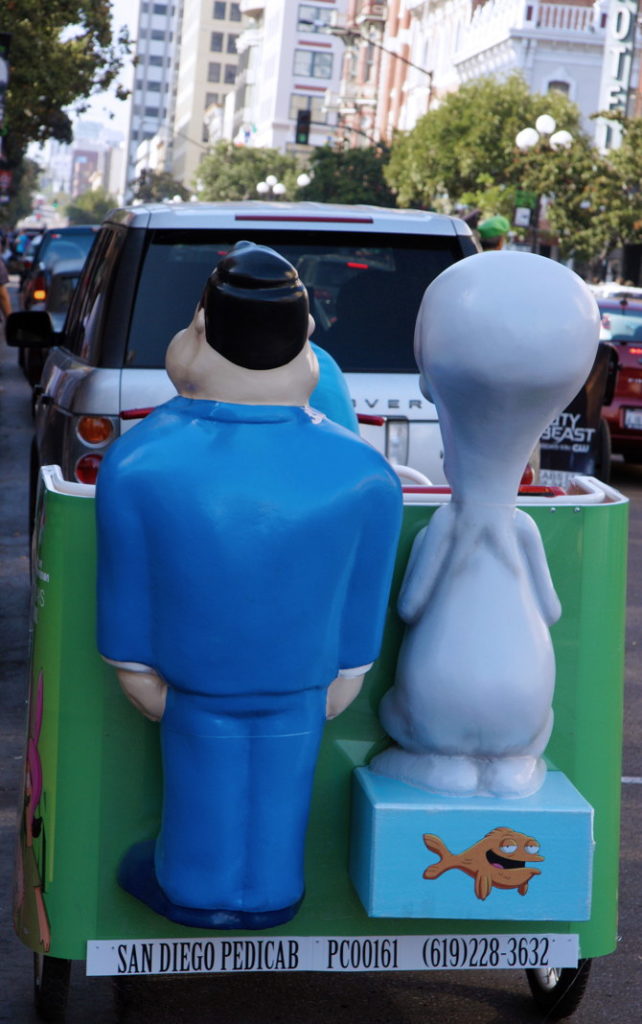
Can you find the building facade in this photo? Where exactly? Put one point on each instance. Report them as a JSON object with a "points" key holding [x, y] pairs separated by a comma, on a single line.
{"points": [[554, 45], [289, 60], [157, 38], [206, 72]]}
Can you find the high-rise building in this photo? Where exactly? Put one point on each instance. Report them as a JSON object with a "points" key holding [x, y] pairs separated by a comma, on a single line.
{"points": [[156, 49], [206, 72], [289, 60]]}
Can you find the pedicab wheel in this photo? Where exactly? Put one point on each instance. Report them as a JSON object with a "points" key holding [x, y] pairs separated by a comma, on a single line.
{"points": [[558, 990], [51, 986]]}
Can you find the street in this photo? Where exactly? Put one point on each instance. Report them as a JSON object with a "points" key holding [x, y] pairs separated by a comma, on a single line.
{"points": [[501, 997]]}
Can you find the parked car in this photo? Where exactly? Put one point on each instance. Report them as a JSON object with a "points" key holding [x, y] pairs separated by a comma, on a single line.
{"points": [[57, 244], [622, 326], [146, 273], [61, 279]]}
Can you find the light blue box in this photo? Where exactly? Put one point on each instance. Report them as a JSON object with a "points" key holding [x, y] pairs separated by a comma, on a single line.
{"points": [[388, 855]]}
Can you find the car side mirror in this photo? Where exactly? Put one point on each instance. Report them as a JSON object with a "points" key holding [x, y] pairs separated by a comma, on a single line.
{"points": [[30, 329]]}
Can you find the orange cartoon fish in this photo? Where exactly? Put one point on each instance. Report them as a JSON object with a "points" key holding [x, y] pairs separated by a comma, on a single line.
{"points": [[499, 859]]}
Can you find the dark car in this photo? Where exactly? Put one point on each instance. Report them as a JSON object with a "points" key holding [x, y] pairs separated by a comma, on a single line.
{"points": [[622, 326], [56, 244], [61, 280]]}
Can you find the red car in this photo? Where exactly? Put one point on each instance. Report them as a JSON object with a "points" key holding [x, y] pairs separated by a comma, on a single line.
{"points": [[622, 325]]}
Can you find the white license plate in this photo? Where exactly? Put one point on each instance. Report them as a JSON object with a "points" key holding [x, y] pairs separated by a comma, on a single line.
{"points": [[330, 953], [633, 419], [554, 477]]}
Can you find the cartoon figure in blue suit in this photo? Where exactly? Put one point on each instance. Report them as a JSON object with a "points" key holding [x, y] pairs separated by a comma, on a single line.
{"points": [[246, 547]]}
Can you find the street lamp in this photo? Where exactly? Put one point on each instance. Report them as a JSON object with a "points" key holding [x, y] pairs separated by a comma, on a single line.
{"points": [[271, 187], [546, 133]]}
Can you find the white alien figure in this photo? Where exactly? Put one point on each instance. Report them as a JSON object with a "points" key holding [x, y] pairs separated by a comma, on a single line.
{"points": [[503, 341]]}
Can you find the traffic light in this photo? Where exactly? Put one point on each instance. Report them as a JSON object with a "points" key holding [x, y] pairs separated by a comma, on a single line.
{"points": [[302, 132]]}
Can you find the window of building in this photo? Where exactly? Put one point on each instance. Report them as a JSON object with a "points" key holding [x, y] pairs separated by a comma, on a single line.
{"points": [[157, 33], [211, 97], [230, 74], [312, 103], [214, 71], [231, 42], [151, 111], [312, 18], [312, 64], [154, 86], [159, 9], [235, 12], [559, 86], [218, 11], [216, 42], [155, 61]]}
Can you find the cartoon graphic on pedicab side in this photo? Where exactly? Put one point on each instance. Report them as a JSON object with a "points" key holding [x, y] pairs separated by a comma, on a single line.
{"points": [[498, 860], [471, 706], [243, 584], [30, 911]]}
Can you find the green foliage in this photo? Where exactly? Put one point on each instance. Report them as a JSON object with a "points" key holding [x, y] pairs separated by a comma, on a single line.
{"points": [[464, 151], [24, 184], [349, 176], [232, 172], [90, 207], [154, 186], [62, 51], [464, 154], [612, 196]]}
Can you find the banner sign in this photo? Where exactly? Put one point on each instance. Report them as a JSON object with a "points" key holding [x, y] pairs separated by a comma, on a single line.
{"points": [[617, 66]]}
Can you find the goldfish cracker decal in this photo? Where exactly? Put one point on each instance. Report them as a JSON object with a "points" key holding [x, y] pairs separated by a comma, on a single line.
{"points": [[499, 859]]}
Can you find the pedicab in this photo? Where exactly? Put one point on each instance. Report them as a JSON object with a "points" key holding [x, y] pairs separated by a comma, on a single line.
{"points": [[492, 870]]}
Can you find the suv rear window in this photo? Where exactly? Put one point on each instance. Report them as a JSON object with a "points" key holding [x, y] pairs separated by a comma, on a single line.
{"points": [[365, 290]]}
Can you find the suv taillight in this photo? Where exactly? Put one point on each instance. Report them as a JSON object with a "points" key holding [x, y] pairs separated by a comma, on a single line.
{"points": [[95, 430], [86, 469]]}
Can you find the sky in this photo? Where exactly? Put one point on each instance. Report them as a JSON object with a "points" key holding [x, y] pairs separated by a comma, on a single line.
{"points": [[124, 12]]}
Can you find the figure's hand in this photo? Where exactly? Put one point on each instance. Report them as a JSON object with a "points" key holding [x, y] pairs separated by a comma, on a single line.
{"points": [[341, 692], [146, 690]]}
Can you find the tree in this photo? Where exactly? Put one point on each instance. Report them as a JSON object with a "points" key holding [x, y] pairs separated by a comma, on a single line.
{"points": [[233, 172], [61, 52], [464, 151], [349, 176], [613, 198], [154, 186], [23, 185], [90, 207]]}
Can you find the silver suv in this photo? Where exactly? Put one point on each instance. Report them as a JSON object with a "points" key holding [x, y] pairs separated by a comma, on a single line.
{"points": [[366, 269]]}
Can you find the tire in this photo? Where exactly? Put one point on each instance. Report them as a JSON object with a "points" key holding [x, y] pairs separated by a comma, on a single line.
{"points": [[51, 977], [603, 455], [558, 991]]}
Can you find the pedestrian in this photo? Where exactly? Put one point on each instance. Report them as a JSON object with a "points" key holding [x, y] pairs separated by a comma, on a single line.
{"points": [[5, 298], [492, 232]]}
